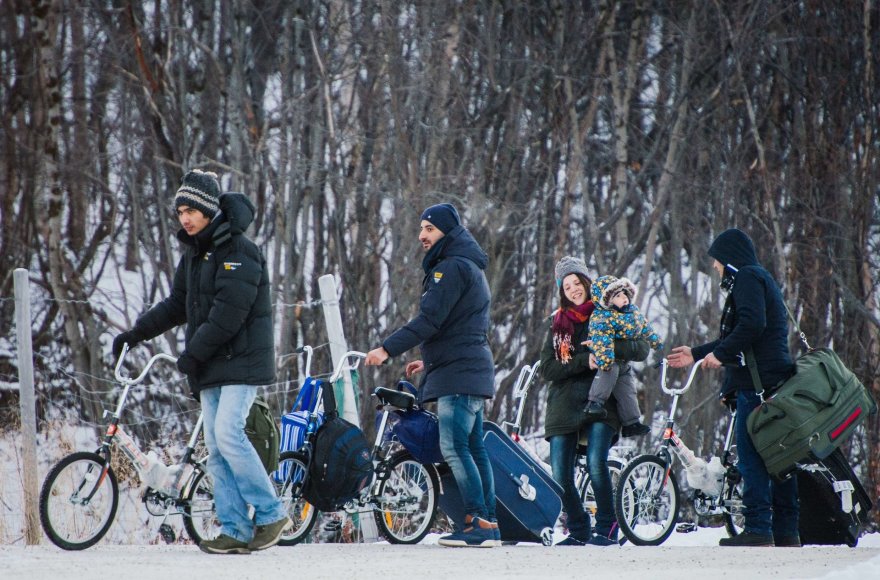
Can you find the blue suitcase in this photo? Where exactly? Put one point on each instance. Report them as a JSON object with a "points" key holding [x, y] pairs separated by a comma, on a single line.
{"points": [[528, 500]]}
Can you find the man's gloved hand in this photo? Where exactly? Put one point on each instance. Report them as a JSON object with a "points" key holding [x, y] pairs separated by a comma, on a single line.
{"points": [[128, 336], [729, 400], [187, 364]]}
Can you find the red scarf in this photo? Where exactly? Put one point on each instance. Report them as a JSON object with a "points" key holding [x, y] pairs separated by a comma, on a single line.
{"points": [[563, 328]]}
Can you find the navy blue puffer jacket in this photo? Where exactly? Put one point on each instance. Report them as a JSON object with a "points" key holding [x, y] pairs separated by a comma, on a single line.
{"points": [[453, 322]]}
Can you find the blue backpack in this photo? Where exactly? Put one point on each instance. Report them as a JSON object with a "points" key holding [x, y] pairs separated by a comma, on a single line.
{"points": [[295, 424]]}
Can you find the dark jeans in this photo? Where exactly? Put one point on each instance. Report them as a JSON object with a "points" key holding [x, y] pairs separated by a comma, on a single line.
{"points": [[461, 441], [769, 507], [600, 436], [562, 460]]}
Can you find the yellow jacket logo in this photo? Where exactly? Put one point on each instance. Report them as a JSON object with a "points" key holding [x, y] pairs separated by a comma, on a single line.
{"points": [[437, 277], [231, 265]]}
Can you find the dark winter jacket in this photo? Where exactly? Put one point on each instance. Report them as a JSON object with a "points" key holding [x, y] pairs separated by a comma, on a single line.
{"points": [[453, 322], [760, 320], [569, 386], [221, 292]]}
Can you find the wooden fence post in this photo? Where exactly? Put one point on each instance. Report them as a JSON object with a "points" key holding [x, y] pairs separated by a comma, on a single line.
{"points": [[27, 402]]}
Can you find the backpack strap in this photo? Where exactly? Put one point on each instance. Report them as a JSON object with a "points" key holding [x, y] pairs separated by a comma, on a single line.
{"points": [[329, 397]]}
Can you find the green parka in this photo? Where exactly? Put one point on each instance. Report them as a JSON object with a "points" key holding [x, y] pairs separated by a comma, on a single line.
{"points": [[569, 384]]}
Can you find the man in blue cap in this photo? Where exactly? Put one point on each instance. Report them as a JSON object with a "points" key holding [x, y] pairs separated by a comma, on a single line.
{"points": [[451, 329]]}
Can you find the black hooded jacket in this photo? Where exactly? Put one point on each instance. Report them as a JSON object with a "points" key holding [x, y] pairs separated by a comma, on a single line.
{"points": [[453, 321], [760, 321], [221, 291]]}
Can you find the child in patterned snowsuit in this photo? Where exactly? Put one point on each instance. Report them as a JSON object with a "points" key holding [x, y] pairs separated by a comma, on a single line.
{"points": [[616, 317]]}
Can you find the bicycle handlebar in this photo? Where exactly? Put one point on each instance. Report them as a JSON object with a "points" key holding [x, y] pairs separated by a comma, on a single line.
{"points": [[129, 381], [524, 380], [664, 365], [344, 364]]}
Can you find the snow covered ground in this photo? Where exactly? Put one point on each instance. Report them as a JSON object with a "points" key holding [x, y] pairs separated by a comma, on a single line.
{"points": [[694, 555], [132, 551]]}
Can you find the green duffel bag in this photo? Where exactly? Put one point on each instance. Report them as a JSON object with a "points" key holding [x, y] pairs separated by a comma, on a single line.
{"points": [[809, 415], [263, 433]]}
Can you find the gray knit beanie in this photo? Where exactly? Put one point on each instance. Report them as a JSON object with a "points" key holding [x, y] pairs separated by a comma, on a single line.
{"points": [[570, 265], [199, 190]]}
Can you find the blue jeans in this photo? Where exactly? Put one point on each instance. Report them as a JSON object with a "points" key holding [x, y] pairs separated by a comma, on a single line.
{"points": [[562, 458], [239, 476], [461, 442], [769, 507], [600, 436]]}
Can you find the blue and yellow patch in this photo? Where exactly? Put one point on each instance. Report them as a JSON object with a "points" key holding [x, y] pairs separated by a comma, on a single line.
{"points": [[231, 265], [437, 277]]}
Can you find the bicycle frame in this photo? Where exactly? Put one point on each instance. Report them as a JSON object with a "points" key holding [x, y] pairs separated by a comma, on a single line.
{"points": [[170, 489], [115, 430], [672, 446]]}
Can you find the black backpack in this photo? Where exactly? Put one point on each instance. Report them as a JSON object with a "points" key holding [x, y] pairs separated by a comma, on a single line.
{"points": [[341, 465], [262, 431]]}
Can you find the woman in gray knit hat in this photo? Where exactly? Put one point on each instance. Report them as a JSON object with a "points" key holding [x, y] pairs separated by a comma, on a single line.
{"points": [[566, 364]]}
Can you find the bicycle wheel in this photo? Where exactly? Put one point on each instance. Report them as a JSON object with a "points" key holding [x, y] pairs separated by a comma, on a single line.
{"points": [[77, 503], [585, 487], [406, 503], [292, 467], [732, 505], [199, 516], [646, 502]]}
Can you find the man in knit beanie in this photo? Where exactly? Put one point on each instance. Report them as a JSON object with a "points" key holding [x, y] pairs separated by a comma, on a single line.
{"points": [[459, 371], [221, 291], [443, 215], [199, 190]]}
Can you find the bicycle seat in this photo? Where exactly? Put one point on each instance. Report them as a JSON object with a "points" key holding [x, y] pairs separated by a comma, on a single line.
{"points": [[398, 399]]}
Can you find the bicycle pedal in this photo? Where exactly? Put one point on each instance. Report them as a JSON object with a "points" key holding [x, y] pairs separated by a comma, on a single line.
{"points": [[167, 533], [686, 527]]}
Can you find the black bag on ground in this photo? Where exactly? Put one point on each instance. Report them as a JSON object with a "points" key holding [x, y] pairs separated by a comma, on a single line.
{"points": [[340, 467], [262, 431], [834, 505]]}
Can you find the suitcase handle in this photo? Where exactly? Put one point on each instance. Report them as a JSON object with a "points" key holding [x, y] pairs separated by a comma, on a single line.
{"points": [[525, 489]]}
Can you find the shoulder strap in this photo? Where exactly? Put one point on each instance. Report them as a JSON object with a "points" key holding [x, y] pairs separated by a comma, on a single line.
{"points": [[794, 323], [753, 370], [750, 354], [329, 398]]}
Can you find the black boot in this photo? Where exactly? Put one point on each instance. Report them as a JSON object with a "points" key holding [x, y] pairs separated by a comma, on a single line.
{"points": [[635, 430], [747, 540], [595, 411]]}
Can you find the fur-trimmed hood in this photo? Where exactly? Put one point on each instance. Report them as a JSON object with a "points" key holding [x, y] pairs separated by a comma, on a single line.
{"points": [[607, 286]]}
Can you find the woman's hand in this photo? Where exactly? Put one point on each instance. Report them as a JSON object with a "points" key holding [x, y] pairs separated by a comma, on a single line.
{"points": [[593, 364]]}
